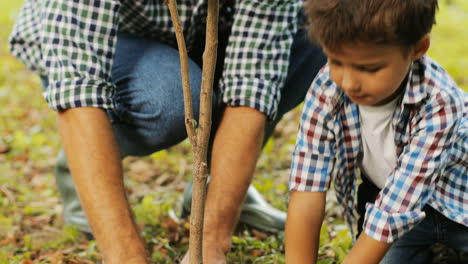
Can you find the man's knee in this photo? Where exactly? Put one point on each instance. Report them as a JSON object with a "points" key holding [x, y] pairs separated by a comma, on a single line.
{"points": [[149, 114]]}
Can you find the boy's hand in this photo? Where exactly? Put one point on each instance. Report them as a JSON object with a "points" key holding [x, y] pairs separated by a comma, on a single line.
{"points": [[367, 250], [305, 216]]}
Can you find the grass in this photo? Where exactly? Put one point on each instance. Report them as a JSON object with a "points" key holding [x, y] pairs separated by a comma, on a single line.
{"points": [[31, 225]]}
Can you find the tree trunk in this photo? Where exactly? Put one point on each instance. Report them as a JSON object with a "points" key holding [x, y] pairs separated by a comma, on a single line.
{"points": [[199, 136]]}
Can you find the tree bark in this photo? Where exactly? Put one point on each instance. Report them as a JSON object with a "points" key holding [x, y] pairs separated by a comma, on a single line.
{"points": [[199, 136]]}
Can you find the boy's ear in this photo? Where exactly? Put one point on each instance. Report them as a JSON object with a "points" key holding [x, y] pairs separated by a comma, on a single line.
{"points": [[421, 47]]}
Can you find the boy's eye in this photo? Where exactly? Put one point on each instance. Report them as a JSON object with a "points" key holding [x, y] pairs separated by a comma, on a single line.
{"points": [[369, 69], [335, 62]]}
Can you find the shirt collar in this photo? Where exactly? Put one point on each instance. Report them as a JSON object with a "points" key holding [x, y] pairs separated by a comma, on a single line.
{"points": [[415, 90]]}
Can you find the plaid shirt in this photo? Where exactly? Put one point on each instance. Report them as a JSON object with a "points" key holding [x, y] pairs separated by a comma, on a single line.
{"points": [[431, 138], [72, 42]]}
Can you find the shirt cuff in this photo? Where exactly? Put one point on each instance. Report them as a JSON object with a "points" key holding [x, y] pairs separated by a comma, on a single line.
{"points": [[387, 227], [308, 172], [71, 93], [255, 93]]}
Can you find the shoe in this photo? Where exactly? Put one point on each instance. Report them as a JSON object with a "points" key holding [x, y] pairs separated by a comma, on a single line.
{"points": [[73, 213], [255, 212]]}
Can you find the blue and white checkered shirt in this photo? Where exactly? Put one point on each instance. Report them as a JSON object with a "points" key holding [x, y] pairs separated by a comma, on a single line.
{"points": [[431, 138], [72, 42]]}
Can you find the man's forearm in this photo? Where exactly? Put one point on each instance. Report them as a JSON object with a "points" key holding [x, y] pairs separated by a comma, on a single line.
{"points": [[94, 161], [237, 145]]}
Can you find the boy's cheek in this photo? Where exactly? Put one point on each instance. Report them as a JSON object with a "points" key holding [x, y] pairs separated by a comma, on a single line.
{"points": [[335, 75]]}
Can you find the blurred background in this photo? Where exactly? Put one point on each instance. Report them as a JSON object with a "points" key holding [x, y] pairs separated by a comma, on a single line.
{"points": [[31, 225]]}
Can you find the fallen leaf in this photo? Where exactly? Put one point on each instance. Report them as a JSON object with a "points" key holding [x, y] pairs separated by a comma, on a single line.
{"points": [[141, 171], [4, 149], [161, 180], [258, 234], [257, 252], [9, 239]]}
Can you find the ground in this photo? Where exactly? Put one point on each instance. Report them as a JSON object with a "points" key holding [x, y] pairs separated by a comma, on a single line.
{"points": [[31, 225]]}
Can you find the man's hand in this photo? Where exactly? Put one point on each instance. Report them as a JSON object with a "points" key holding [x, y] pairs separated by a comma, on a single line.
{"points": [[305, 216], [237, 145], [367, 250], [94, 161]]}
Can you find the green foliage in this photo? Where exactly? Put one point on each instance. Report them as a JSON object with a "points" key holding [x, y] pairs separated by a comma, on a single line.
{"points": [[150, 212], [257, 248], [448, 38], [69, 236], [6, 224]]}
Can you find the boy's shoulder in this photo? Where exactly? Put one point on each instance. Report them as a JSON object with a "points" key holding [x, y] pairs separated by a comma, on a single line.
{"points": [[435, 77], [430, 83], [324, 90]]}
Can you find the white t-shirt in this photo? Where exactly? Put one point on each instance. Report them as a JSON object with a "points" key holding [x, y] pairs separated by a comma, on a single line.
{"points": [[378, 141]]}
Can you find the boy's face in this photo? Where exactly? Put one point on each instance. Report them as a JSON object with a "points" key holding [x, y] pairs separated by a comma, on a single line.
{"points": [[371, 74]]}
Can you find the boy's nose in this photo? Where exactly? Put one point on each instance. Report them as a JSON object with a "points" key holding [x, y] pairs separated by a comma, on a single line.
{"points": [[349, 83]]}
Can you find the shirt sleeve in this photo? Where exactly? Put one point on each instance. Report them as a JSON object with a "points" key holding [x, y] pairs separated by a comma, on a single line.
{"points": [[257, 56], [399, 206], [78, 42], [24, 40], [313, 158]]}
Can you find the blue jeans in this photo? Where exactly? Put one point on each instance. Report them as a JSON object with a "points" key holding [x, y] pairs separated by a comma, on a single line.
{"points": [[415, 246]]}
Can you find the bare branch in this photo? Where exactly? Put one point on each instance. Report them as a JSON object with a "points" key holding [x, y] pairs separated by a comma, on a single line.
{"points": [[199, 138], [203, 134], [184, 70]]}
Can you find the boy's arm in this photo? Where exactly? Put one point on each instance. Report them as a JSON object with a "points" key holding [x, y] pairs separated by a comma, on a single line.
{"points": [[305, 215], [367, 250], [421, 169]]}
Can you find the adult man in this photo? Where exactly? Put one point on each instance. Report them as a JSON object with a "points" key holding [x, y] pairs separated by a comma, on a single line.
{"points": [[111, 73]]}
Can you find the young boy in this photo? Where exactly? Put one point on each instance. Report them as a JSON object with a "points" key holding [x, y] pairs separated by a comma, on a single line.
{"points": [[384, 110]]}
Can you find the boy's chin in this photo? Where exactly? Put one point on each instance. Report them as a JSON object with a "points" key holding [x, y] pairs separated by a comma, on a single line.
{"points": [[360, 100]]}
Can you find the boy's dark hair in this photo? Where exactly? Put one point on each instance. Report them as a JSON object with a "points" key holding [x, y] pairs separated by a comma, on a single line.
{"points": [[400, 22]]}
